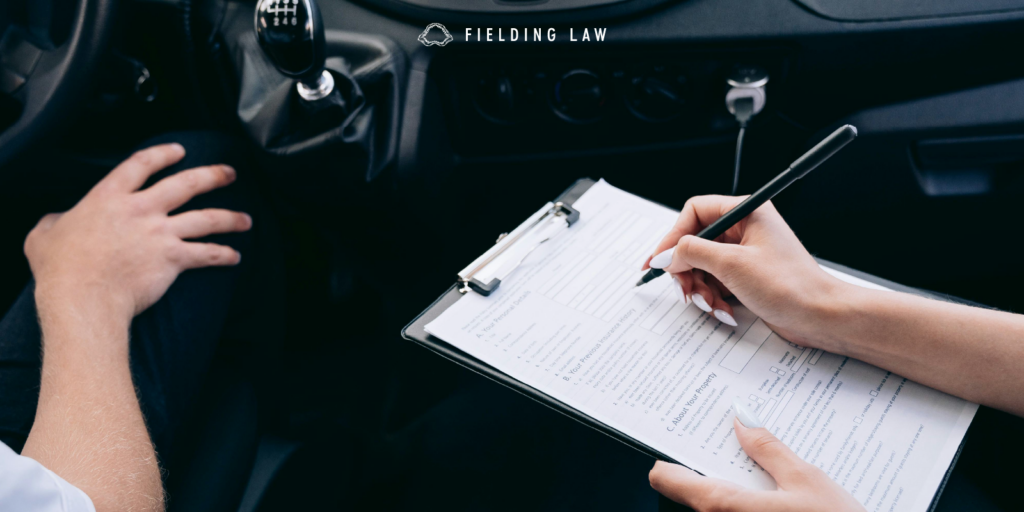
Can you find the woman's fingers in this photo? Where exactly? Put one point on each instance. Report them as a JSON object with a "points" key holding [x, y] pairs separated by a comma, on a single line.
{"points": [[685, 281], [697, 213], [200, 223], [708, 297], [703, 297], [720, 308], [677, 288], [692, 252], [174, 191], [683, 485], [771, 454], [726, 293]]}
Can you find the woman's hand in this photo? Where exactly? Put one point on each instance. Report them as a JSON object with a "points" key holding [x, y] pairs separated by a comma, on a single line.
{"points": [[118, 248], [801, 486], [760, 261]]}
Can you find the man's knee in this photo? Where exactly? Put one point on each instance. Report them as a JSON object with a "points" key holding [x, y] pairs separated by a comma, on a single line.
{"points": [[204, 148]]}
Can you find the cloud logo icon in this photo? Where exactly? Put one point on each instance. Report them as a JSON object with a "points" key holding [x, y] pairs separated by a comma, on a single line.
{"points": [[435, 39]]}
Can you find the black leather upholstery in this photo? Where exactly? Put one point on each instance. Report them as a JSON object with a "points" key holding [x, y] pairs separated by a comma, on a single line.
{"points": [[372, 68]]}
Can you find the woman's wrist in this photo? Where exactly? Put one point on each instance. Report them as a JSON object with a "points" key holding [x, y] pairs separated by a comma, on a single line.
{"points": [[840, 316]]}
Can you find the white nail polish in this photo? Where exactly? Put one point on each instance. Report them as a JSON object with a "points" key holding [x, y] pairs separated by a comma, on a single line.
{"points": [[663, 259], [746, 416], [701, 303], [725, 318], [679, 291]]}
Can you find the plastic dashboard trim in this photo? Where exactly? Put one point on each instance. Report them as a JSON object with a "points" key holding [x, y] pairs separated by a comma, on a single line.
{"points": [[512, 13]]}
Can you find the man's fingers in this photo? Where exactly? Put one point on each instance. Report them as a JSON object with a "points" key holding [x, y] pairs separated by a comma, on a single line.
{"points": [[774, 456], [683, 485], [174, 191], [198, 255], [48, 221], [42, 227], [200, 223], [133, 172]]}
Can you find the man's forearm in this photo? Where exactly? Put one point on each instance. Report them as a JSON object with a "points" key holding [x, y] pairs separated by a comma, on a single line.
{"points": [[88, 426], [973, 353]]}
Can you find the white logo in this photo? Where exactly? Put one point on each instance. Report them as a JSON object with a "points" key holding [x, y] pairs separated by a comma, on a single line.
{"points": [[435, 40]]}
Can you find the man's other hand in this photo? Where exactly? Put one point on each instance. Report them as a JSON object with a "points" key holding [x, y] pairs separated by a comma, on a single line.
{"points": [[119, 245]]}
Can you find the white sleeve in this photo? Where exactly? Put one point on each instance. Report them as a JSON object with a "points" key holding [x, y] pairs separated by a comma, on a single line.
{"points": [[27, 486]]}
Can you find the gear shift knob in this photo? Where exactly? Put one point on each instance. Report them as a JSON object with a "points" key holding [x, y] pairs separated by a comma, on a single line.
{"points": [[291, 33]]}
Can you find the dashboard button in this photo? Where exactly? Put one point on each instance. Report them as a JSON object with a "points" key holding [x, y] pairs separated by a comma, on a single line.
{"points": [[657, 94], [495, 98], [579, 96]]}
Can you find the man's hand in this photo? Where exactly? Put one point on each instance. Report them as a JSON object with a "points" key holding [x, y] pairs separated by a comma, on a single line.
{"points": [[97, 266], [802, 487], [118, 245]]}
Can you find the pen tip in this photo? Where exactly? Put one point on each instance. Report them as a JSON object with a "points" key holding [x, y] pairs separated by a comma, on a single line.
{"points": [[641, 282]]}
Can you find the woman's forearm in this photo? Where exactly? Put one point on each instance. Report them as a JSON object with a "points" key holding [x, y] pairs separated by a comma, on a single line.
{"points": [[973, 353]]}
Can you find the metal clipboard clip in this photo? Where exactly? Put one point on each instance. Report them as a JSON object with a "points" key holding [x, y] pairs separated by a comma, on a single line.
{"points": [[485, 274]]}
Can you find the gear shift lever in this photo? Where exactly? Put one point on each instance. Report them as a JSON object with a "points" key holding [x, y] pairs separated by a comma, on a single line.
{"points": [[291, 33]]}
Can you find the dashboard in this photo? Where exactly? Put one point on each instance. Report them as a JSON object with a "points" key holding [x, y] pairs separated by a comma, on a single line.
{"points": [[658, 79], [565, 10], [509, 103]]}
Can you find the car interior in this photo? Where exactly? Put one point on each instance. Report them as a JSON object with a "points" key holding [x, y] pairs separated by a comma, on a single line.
{"points": [[392, 163]]}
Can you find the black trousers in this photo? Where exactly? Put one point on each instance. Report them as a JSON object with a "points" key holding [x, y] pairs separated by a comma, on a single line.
{"points": [[174, 342]]}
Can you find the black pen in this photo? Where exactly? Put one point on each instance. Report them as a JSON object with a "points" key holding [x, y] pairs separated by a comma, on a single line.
{"points": [[798, 169]]}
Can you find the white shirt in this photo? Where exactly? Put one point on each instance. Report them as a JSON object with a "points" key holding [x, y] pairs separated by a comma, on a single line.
{"points": [[27, 486]]}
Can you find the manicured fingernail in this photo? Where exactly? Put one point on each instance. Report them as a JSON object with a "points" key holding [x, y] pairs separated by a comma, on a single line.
{"points": [[745, 415], [178, 148], [725, 318], [701, 302], [230, 171], [663, 259], [679, 290], [248, 219]]}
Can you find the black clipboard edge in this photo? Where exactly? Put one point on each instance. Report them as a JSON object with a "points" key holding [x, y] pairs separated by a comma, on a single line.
{"points": [[415, 331]]}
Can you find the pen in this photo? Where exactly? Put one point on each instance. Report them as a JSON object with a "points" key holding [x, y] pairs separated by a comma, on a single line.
{"points": [[798, 169]]}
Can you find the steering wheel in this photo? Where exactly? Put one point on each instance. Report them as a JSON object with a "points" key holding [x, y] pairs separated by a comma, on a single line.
{"points": [[47, 61]]}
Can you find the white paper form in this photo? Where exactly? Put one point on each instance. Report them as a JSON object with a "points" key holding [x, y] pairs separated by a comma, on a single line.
{"points": [[570, 323]]}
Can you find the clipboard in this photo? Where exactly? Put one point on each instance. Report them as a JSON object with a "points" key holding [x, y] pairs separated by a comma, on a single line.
{"points": [[468, 282]]}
